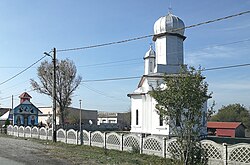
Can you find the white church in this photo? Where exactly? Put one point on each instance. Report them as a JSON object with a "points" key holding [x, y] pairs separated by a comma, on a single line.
{"points": [[166, 59]]}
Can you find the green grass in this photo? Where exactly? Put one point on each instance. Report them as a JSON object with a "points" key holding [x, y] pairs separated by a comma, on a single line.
{"points": [[95, 155]]}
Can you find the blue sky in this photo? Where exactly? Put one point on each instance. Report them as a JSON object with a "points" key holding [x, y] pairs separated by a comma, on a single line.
{"points": [[28, 28]]}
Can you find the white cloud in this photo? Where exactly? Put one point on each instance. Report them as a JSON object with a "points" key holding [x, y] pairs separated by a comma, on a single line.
{"points": [[215, 53]]}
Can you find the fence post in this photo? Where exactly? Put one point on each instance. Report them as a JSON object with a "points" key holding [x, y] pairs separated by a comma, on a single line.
{"points": [[141, 144], [30, 132], [164, 147], [38, 136], [77, 137], [47, 133], [65, 131], [90, 138], [104, 140], [224, 153], [24, 134], [121, 140]]}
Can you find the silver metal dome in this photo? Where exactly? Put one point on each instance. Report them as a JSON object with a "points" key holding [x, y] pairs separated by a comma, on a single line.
{"points": [[150, 53], [169, 23]]}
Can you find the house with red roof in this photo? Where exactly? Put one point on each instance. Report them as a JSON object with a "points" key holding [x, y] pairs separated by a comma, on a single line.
{"points": [[226, 129]]}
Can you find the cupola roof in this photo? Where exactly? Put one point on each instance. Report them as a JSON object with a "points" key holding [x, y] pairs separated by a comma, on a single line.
{"points": [[169, 23], [150, 53]]}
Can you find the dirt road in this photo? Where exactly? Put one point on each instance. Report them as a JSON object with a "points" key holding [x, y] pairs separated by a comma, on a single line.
{"points": [[26, 152]]}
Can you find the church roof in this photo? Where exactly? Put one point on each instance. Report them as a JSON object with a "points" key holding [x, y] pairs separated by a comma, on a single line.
{"points": [[26, 103], [150, 53], [169, 23], [25, 95]]}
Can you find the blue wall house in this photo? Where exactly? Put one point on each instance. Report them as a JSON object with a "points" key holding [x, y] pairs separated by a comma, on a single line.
{"points": [[25, 114]]}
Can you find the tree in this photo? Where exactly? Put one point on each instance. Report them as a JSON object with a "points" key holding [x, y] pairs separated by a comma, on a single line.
{"points": [[179, 102], [233, 113], [66, 83]]}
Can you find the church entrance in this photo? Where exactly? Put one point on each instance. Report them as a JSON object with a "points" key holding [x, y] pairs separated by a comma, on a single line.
{"points": [[25, 120]]}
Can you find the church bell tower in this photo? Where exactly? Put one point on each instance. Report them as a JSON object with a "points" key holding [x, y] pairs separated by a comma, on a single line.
{"points": [[168, 38]]}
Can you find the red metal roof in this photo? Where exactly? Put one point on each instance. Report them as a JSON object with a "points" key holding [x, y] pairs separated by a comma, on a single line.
{"points": [[25, 95], [229, 125]]}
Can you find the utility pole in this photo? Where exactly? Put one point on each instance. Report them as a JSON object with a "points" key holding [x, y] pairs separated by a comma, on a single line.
{"points": [[80, 123], [53, 93], [12, 102], [54, 96]]}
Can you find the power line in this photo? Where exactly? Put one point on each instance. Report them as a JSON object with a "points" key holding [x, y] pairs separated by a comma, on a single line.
{"points": [[22, 71], [100, 93], [112, 62], [8, 97], [112, 79], [226, 67], [151, 35], [135, 59], [136, 77]]}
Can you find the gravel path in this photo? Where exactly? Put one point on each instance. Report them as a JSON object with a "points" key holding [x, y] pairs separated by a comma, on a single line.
{"points": [[26, 152]]}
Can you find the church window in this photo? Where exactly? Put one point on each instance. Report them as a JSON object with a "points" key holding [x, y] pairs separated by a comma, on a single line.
{"points": [[160, 120], [137, 117]]}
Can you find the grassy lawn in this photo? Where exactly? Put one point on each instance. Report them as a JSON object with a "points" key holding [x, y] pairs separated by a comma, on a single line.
{"points": [[95, 155]]}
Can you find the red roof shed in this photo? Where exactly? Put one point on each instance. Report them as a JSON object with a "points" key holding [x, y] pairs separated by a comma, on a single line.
{"points": [[226, 129]]}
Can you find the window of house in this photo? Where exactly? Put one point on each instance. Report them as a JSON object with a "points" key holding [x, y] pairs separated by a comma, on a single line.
{"points": [[112, 121], [137, 117]]}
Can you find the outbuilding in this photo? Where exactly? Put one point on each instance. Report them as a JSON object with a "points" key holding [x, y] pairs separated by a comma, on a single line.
{"points": [[226, 129]]}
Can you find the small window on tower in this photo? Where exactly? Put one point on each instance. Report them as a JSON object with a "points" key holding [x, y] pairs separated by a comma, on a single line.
{"points": [[151, 67]]}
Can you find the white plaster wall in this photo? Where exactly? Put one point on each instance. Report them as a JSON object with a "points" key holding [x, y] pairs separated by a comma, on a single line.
{"points": [[160, 46], [136, 103]]}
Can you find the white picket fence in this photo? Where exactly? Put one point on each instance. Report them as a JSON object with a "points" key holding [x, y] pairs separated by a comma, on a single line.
{"points": [[238, 154]]}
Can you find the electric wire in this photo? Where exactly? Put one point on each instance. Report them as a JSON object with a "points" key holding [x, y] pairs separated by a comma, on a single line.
{"points": [[151, 35], [137, 77], [226, 67], [134, 77], [101, 93], [22, 71], [112, 79], [137, 59]]}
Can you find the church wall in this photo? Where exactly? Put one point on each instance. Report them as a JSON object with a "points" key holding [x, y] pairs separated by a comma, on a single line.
{"points": [[156, 128], [136, 104]]}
